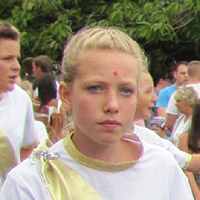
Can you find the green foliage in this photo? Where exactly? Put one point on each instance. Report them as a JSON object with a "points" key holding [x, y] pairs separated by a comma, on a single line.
{"points": [[6, 8], [162, 27]]}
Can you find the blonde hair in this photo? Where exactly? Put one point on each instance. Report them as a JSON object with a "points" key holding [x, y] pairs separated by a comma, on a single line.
{"points": [[186, 94], [99, 38]]}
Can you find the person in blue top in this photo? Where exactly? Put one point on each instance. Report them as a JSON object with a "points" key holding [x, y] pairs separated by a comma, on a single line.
{"points": [[181, 78]]}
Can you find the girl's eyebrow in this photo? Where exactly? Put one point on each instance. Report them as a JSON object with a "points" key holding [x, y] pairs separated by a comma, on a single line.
{"points": [[101, 80]]}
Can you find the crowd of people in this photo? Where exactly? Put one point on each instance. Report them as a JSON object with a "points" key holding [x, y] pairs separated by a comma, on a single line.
{"points": [[182, 104], [81, 138]]}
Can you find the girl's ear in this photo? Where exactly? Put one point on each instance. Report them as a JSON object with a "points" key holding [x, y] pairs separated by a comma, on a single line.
{"points": [[64, 92]]}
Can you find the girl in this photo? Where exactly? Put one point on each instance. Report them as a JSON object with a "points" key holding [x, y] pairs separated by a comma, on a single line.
{"points": [[101, 69]]}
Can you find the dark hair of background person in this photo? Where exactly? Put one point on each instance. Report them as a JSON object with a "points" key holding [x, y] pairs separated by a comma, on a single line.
{"points": [[176, 65], [8, 31], [173, 67], [44, 62], [26, 72], [46, 89], [194, 132], [162, 75]]}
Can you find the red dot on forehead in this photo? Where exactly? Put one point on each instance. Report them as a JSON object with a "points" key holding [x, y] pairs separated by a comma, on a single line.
{"points": [[115, 74]]}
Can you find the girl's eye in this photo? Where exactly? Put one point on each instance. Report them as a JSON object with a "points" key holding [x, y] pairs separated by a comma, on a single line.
{"points": [[95, 88], [127, 91]]}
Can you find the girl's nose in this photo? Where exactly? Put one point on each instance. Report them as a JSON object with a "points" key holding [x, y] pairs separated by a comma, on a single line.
{"points": [[111, 104]]}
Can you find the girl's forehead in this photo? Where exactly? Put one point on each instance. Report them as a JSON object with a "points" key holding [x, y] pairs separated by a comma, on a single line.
{"points": [[114, 76], [108, 61], [110, 77]]}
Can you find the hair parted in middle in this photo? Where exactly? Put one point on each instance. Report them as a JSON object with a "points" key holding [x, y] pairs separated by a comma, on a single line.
{"points": [[99, 38]]}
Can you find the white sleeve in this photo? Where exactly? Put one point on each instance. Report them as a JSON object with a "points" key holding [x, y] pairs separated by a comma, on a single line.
{"points": [[180, 156], [41, 131], [25, 182], [171, 108], [11, 190], [30, 134], [151, 137]]}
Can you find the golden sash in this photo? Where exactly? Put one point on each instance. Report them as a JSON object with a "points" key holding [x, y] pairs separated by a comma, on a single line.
{"points": [[62, 181], [188, 161], [7, 155]]}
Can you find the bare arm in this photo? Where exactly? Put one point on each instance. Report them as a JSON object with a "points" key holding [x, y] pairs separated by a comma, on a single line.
{"points": [[194, 186], [170, 121], [183, 145], [194, 165], [161, 111]]}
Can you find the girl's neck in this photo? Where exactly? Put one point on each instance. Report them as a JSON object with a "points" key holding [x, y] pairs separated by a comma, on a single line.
{"points": [[124, 151]]}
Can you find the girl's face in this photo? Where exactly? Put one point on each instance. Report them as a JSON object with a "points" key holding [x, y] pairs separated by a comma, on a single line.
{"points": [[103, 96], [9, 65], [146, 97]]}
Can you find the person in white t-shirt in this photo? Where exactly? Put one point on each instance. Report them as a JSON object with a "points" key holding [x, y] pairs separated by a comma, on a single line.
{"points": [[99, 160], [18, 136], [146, 99]]}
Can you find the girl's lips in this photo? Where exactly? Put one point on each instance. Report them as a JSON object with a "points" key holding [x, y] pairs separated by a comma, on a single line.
{"points": [[110, 124]]}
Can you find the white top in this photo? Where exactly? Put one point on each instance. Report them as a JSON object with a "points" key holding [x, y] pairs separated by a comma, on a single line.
{"points": [[49, 110], [151, 137], [41, 131], [155, 177], [171, 108], [17, 120], [180, 127]]}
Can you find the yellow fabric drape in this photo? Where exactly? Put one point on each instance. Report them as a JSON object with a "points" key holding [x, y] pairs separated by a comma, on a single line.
{"points": [[62, 181], [7, 155], [65, 183]]}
